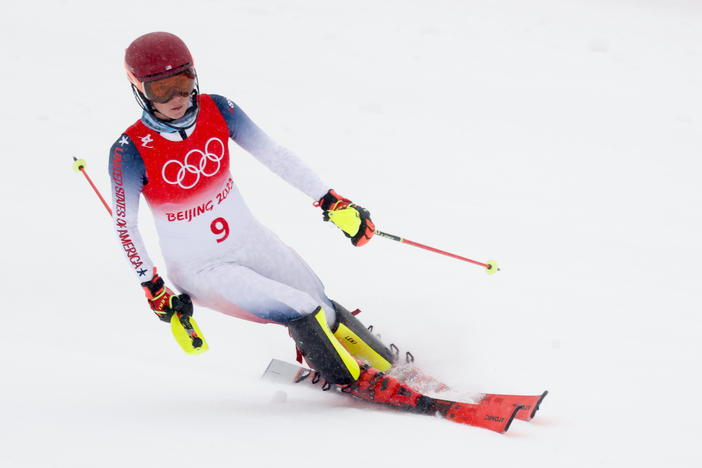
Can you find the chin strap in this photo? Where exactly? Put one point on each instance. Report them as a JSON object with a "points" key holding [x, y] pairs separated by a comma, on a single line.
{"points": [[172, 126]]}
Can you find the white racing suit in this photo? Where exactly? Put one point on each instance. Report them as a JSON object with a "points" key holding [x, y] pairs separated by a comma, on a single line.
{"points": [[215, 250]]}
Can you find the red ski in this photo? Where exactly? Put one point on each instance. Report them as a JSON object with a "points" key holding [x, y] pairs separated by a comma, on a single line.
{"points": [[495, 418], [529, 403], [380, 388], [411, 375]]}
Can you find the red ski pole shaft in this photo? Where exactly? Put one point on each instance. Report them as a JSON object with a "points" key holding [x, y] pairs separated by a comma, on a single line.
{"points": [[79, 166], [490, 266]]}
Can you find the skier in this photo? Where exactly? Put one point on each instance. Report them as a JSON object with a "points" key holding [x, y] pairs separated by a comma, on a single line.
{"points": [[176, 155]]}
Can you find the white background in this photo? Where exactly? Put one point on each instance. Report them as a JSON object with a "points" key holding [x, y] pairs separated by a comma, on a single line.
{"points": [[559, 137]]}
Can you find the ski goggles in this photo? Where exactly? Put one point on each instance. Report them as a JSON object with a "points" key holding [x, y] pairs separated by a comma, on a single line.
{"points": [[162, 91]]}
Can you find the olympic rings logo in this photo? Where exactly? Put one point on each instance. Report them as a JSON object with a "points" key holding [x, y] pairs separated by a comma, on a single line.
{"points": [[188, 174]]}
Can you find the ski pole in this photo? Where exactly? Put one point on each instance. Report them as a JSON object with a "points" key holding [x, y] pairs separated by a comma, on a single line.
{"points": [[490, 266], [184, 328], [79, 166]]}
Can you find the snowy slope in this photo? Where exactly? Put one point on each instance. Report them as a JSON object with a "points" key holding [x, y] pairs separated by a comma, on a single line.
{"points": [[559, 137]]}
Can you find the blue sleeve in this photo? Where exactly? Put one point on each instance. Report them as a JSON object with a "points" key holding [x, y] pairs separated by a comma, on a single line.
{"points": [[242, 129], [277, 158], [128, 176]]}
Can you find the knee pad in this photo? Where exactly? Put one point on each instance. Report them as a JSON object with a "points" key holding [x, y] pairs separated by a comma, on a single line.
{"points": [[359, 341], [322, 351]]}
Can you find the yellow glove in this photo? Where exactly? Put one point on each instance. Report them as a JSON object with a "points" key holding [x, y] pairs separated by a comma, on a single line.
{"points": [[352, 219]]}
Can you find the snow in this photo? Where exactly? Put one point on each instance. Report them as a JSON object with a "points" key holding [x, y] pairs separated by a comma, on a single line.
{"points": [[559, 137]]}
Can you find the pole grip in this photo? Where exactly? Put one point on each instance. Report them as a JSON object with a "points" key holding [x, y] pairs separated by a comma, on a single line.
{"points": [[388, 236]]}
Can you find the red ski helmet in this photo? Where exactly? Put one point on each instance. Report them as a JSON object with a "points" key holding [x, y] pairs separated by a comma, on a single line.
{"points": [[155, 56], [162, 56]]}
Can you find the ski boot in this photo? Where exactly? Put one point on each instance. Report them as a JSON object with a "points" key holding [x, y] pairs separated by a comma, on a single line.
{"points": [[323, 352], [359, 340]]}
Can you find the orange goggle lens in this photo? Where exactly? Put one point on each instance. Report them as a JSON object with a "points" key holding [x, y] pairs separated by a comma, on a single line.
{"points": [[161, 91]]}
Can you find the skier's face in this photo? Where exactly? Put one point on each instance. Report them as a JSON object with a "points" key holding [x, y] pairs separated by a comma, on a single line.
{"points": [[173, 109]]}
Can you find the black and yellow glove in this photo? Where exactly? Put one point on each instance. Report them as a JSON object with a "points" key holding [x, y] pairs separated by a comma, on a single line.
{"points": [[352, 219], [163, 301]]}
